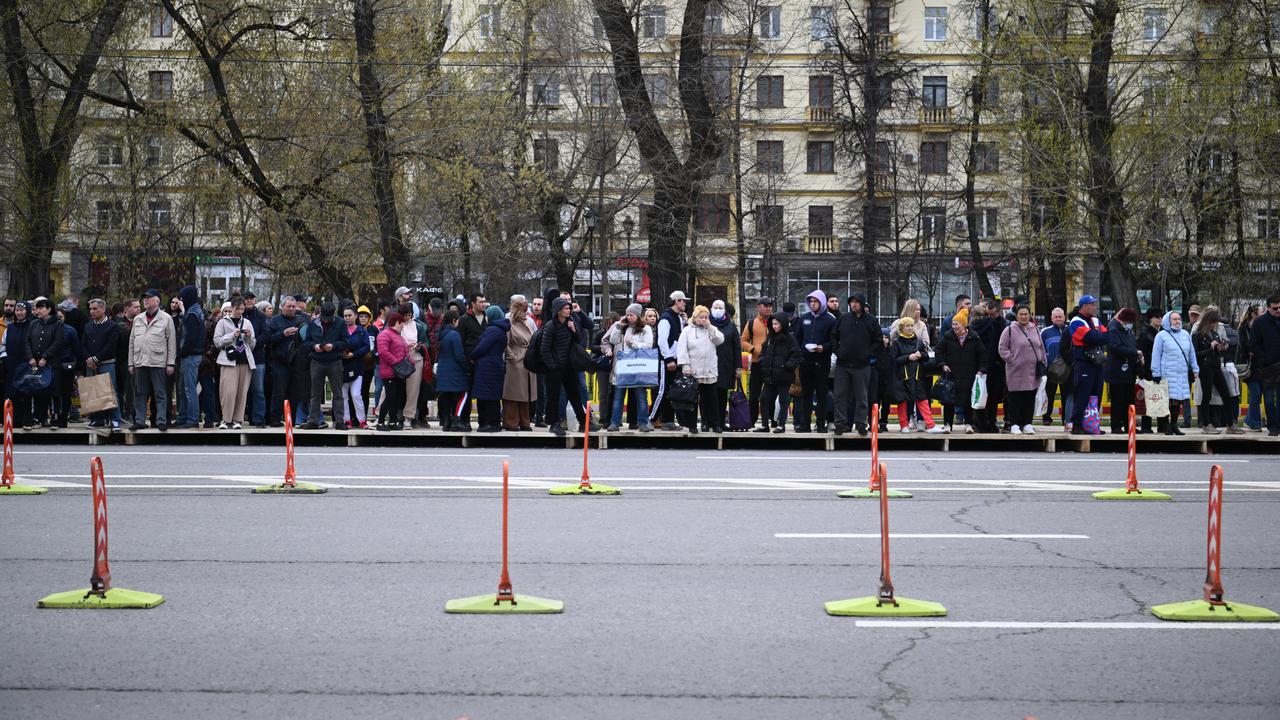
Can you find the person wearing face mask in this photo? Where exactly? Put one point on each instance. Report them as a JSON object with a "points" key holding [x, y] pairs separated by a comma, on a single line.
{"points": [[1174, 359], [728, 354], [1124, 363]]}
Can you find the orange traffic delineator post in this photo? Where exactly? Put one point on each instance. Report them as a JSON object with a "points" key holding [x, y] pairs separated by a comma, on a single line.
{"points": [[585, 486], [1214, 607], [100, 593], [873, 485], [1131, 490], [290, 486], [504, 602], [885, 602], [7, 484]]}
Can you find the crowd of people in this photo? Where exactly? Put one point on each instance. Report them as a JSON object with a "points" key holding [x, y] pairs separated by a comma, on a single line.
{"points": [[820, 366]]}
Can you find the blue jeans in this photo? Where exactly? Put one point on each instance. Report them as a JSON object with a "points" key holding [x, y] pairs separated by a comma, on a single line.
{"points": [[189, 413], [1253, 418], [257, 400], [112, 415], [1271, 402], [641, 398]]}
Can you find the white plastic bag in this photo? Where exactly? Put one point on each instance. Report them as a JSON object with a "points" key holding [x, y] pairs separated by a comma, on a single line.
{"points": [[1157, 397], [1042, 399], [979, 394]]}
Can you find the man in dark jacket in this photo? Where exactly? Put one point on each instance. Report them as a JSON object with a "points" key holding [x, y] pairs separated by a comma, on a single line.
{"points": [[191, 345], [289, 361], [1124, 361], [101, 348], [471, 325], [1264, 355], [326, 338], [989, 327], [257, 401], [556, 350], [44, 349], [813, 333], [854, 342], [1146, 345]]}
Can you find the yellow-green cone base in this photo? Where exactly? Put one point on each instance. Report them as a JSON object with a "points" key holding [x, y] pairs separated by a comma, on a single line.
{"points": [[1122, 494], [22, 490], [115, 599], [865, 494], [297, 489], [868, 607], [487, 605], [1202, 611], [579, 490]]}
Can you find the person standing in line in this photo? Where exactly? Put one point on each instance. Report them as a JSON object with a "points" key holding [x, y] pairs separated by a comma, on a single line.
{"points": [[854, 342], [697, 358], [153, 351], [353, 358], [1211, 353], [1023, 353], [908, 360], [1052, 338], [15, 363], [192, 340], [234, 339], [64, 372], [1087, 332], [1124, 367], [391, 351], [912, 309], [488, 358], [44, 350], [519, 386], [728, 355], [1264, 361], [258, 374], [325, 338], [1174, 359], [210, 396], [1146, 346], [540, 311], [557, 349], [453, 374], [630, 333], [754, 335], [813, 334], [288, 357], [779, 359], [670, 324], [101, 343], [369, 364], [965, 358], [988, 323], [415, 336], [1253, 417]]}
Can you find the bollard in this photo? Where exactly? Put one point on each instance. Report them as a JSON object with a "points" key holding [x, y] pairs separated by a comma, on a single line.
{"points": [[504, 602], [290, 486], [100, 594], [884, 603], [1214, 607], [873, 485], [7, 485], [1131, 490], [585, 486]]}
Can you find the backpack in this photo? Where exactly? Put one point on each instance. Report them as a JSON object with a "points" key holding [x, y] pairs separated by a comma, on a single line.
{"points": [[533, 356]]}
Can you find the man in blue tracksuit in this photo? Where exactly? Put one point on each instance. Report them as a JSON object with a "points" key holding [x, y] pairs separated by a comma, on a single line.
{"points": [[1086, 332], [813, 333]]}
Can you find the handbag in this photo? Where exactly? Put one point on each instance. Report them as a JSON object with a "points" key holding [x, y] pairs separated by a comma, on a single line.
{"points": [[739, 410], [403, 369], [1060, 370], [96, 393], [1157, 398], [579, 358], [1097, 355], [684, 393], [237, 352], [944, 390], [35, 382], [636, 368], [1042, 398], [602, 363], [1243, 372]]}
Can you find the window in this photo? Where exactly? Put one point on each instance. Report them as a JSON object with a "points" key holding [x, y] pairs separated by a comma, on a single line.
{"points": [[769, 156], [1039, 214], [882, 158], [822, 220], [546, 90], [1154, 93], [1154, 24], [109, 84], [985, 25], [991, 92], [713, 214], [155, 151], [820, 94], [653, 22], [821, 156], [933, 157], [546, 154], [935, 91], [110, 152], [545, 21], [659, 89], [1210, 18], [769, 222], [769, 91], [935, 24], [713, 24], [1268, 224], [878, 18], [217, 219], [884, 91], [490, 21], [602, 153], [597, 28], [986, 158], [988, 223], [600, 91], [161, 22], [770, 22], [159, 213], [719, 79], [820, 23], [933, 225], [110, 214], [1158, 224], [160, 83], [880, 216]]}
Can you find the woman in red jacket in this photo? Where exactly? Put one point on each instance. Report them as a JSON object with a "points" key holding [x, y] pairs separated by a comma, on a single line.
{"points": [[391, 350]]}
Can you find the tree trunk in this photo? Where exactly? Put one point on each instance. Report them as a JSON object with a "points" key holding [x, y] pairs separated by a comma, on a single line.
{"points": [[395, 255], [977, 100]]}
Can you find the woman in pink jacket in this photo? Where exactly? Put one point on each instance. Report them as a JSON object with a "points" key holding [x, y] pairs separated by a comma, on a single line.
{"points": [[1024, 363], [391, 350]]}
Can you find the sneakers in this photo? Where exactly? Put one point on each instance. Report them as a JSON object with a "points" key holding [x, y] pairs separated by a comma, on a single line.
{"points": [[237, 426], [936, 430], [647, 427], [613, 427], [1028, 430], [968, 429], [763, 429], [779, 430], [1210, 430], [905, 429], [1235, 430], [1015, 430]]}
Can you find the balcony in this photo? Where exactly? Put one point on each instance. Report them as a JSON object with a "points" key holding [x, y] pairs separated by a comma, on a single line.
{"points": [[937, 116], [821, 244], [886, 42], [820, 118]]}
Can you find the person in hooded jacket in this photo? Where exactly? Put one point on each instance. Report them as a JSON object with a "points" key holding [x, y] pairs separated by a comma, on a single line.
{"points": [[70, 361], [15, 362], [559, 335], [1124, 364], [489, 356], [964, 357], [192, 339], [908, 361], [45, 340], [854, 341], [813, 331], [353, 368], [728, 354], [779, 358], [453, 374], [1173, 358], [325, 339]]}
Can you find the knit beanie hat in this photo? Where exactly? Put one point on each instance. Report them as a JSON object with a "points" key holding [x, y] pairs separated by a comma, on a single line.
{"points": [[636, 308]]}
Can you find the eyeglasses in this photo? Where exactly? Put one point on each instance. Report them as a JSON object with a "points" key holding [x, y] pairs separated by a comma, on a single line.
{"points": [[1274, 309]]}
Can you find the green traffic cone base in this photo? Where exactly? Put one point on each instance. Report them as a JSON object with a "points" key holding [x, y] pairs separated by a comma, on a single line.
{"points": [[22, 490], [1202, 611], [116, 598], [579, 490], [1123, 494], [868, 607], [866, 493], [296, 489], [488, 605]]}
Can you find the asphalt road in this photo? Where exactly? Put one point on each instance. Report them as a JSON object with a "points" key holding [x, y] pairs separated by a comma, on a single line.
{"points": [[682, 600]]}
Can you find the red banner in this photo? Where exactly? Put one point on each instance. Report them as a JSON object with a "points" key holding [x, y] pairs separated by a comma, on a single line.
{"points": [[1213, 573], [100, 581]]}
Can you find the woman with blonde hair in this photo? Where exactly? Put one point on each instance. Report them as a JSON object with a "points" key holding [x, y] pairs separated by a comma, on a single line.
{"points": [[696, 355], [912, 309]]}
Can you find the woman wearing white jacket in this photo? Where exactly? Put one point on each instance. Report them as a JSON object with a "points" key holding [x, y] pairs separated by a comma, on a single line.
{"points": [[696, 355], [233, 337], [629, 333]]}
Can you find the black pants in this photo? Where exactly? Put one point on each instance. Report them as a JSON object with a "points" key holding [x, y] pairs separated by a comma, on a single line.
{"points": [[706, 405], [851, 392], [1019, 407], [988, 417], [392, 408], [447, 402], [964, 401], [1122, 396], [755, 389], [1051, 389], [540, 405], [321, 371], [770, 394], [490, 413], [566, 382], [1214, 381], [813, 383], [1175, 409]]}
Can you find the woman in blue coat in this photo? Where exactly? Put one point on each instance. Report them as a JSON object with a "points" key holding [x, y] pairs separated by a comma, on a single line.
{"points": [[489, 357], [453, 374], [1174, 359]]}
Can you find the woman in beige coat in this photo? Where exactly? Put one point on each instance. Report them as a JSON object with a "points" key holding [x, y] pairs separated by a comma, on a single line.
{"points": [[519, 387], [234, 340], [696, 354]]}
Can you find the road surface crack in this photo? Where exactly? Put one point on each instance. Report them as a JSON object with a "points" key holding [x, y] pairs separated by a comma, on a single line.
{"points": [[900, 694]]}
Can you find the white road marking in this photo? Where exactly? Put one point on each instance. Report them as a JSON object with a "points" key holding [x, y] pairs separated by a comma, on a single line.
{"points": [[240, 453], [934, 536], [947, 459], [1075, 625]]}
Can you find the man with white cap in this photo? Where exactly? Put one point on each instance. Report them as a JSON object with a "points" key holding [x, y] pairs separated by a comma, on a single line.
{"points": [[405, 295], [670, 323]]}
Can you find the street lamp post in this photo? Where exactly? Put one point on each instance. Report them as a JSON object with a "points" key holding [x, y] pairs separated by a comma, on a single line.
{"points": [[591, 261], [628, 225], [604, 267]]}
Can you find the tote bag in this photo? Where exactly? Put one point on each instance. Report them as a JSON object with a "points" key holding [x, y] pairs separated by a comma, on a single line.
{"points": [[739, 410], [1042, 399], [979, 393], [1157, 394], [637, 368], [96, 393]]}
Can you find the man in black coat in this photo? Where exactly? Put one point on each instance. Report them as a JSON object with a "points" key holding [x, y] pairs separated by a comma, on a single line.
{"points": [[325, 339], [471, 324], [290, 365], [257, 401], [1264, 356], [854, 342], [989, 327], [101, 345]]}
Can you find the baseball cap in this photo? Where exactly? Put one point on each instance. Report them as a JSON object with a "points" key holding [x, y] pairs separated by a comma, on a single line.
{"points": [[765, 300], [401, 290], [1087, 300], [678, 295], [151, 292]]}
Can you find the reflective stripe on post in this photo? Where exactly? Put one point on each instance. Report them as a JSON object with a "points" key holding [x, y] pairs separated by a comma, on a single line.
{"points": [[1213, 573], [6, 478], [886, 582], [290, 477], [100, 580], [875, 447], [1131, 482]]}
